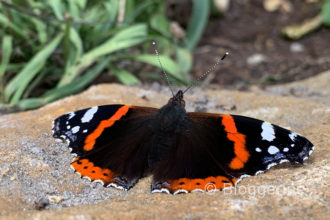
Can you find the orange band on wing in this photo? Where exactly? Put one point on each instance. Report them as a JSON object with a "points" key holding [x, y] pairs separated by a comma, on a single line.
{"points": [[87, 168], [90, 140], [207, 184], [242, 155]]}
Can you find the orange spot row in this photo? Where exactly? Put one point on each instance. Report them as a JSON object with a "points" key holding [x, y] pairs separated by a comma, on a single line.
{"points": [[207, 184], [242, 155], [90, 140], [87, 168]]}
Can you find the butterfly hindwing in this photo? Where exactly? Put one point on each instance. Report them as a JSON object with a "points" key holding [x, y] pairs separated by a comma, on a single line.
{"points": [[110, 142], [191, 164]]}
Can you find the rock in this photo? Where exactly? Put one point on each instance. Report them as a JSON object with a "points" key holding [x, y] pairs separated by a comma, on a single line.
{"points": [[55, 199], [273, 5], [255, 59], [177, 31], [316, 88], [222, 5], [297, 47], [33, 165]]}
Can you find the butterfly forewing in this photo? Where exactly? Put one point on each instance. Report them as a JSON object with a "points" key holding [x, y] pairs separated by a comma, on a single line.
{"points": [[246, 146], [110, 142]]}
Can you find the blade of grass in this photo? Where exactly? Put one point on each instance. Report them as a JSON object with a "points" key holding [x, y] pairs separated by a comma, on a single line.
{"points": [[325, 13], [18, 84], [19, 31], [168, 64], [197, 23], [124, 76], [131, 16], [56, 5], [126, 38], [57, 93], [185, 60], [41, 30], [7, 48]]}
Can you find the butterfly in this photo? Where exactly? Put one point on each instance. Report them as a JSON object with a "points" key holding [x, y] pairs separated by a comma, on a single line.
{"points": [[117, 145]]}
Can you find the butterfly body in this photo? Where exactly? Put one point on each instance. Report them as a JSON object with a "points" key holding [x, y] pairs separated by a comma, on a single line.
{"points": [[183, 151]]}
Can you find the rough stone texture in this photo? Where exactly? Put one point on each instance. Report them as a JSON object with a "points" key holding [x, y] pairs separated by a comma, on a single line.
{"points": [[35, 173]]}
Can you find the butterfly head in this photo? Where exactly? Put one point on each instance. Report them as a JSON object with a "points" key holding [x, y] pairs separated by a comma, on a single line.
{"points": [[178, 99]]}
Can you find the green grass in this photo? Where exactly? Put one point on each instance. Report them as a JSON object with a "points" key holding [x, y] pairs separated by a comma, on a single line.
{"points": [[54, 48]]}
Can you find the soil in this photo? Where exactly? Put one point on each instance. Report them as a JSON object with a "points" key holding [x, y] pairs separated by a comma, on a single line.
{"points": [[248, 29]]}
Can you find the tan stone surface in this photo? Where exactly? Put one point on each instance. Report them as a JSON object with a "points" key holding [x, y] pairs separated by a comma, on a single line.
{"points": [[34, 169]]}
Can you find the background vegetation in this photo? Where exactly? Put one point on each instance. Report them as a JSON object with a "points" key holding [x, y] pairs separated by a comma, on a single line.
{"points": [[51, 49], [61, 46]]}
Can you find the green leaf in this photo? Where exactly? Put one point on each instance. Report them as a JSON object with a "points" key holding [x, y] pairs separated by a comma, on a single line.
{"points": [[126, 38], [160, 23], [197, 23], [73, 10], [185, 60], [7, 48], [65, 90], [125, 76], [41, 29], [76, 41], [19, 31], [57, 8], [19, 83], [326, 13], [168, 64], [132, 14]]}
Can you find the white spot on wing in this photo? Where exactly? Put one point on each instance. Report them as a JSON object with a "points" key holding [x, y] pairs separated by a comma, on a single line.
{"points": [[71, 115], [258, 149], [180, 191], [116, 186], [99, 181], [273, 150], [271, 165], [293, 136], [292, 145], [89, 114], [87, 178], [284, 161], [84, 131], [68, 127], [258, 172], [197, 190], [285, 149], [75, 129], [268, 132], [160, 191]]}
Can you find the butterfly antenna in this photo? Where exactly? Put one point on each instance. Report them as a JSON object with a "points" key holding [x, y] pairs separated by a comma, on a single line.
{"points": [[207, 72], [161, 66]]}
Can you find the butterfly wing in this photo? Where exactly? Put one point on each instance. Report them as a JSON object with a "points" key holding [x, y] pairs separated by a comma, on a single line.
{"points": [[110, 142], [217, 150], [247, 146]]}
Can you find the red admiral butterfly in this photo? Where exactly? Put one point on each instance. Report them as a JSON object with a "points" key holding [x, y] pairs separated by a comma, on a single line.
{"points": [[117, 145]]}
